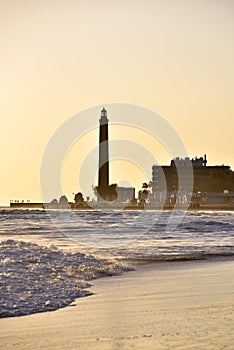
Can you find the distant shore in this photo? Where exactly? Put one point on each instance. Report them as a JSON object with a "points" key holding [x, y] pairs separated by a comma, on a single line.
{"points": [[228, 207], [158, 306]]}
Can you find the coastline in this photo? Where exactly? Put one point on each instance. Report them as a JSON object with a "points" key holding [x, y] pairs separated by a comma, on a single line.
{"points": [[201, 207], [166, 305]]}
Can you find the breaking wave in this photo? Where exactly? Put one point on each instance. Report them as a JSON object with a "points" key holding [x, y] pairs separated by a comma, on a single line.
{"points": [[36, 279]]}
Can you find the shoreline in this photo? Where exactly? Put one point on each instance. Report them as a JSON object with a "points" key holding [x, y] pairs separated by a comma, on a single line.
{"points": [[154, 261], [89, 207], [159, 305]]}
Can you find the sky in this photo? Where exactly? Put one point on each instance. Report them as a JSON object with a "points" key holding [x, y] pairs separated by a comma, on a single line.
{"points": [[59, 58]]}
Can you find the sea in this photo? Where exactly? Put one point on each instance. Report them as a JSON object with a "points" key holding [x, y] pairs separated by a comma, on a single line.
{"points": [[48, 258]]}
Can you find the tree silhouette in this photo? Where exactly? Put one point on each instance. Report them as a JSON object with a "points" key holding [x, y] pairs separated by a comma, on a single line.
{"points": [[54, 201], [63, 200], [79, 198], [145, 185]]}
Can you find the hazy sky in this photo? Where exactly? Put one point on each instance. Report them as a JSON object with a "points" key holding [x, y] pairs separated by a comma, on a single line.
{"points": [[59, 57]]}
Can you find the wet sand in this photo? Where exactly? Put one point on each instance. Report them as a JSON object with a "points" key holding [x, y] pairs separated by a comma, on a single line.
{"points": [[183, 305]]}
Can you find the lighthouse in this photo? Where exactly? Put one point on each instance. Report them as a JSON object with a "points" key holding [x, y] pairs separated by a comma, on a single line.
{"points": [[105, 191], [103, 173]]}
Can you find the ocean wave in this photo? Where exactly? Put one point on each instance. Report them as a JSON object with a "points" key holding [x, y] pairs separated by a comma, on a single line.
{"points": [[195, 226], [36, 279], [145, 259]]}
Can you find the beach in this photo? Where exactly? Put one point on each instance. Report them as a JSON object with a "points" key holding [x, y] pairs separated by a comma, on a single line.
{"points": [[168, 305]]}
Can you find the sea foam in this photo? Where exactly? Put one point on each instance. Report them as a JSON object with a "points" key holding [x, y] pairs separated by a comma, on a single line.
{"points": [[36, 279]]}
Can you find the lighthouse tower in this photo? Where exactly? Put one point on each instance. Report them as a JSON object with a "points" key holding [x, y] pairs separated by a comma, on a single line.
{"points": [[103, 174], [105, 192]]}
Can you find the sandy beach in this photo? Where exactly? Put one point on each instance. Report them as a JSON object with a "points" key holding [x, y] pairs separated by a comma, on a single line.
{"points": [[184, 305]]}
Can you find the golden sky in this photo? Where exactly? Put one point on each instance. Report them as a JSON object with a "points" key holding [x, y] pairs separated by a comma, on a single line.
{"points": [[60, 57]]}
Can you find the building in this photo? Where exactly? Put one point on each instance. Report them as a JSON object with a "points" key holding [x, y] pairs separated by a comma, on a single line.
{"points": [[125, 194], [216, 179]]}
